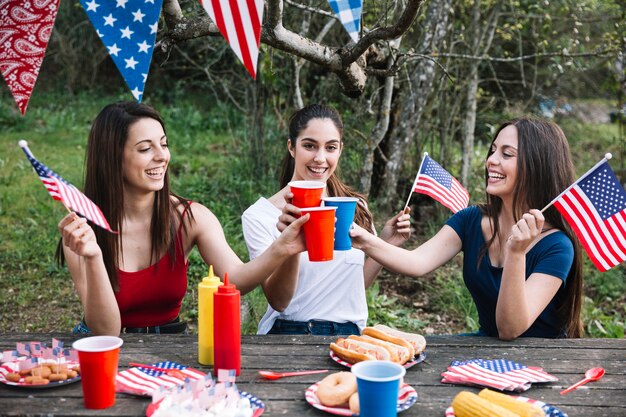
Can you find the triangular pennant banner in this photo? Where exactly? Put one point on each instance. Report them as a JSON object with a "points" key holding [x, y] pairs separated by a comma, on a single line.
{"points": [[349, 14], [25, 29], [128, 30], [239, 22]]}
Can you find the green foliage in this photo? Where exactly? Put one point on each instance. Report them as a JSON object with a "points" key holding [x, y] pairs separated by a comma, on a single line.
{"points": [[386, 310]]}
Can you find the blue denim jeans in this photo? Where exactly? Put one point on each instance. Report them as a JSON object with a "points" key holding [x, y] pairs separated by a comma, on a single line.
{"points": [[314, 327]]}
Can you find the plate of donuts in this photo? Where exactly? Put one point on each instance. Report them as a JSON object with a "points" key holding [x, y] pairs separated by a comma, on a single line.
{"points": [[44, 375], [407, 396], [407, 365]]}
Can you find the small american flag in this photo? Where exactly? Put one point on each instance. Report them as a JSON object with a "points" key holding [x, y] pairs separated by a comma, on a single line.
{"points": [[239, 23], [595, 208], [500, 374], [143, 381], [63, 191], [437, 183]]}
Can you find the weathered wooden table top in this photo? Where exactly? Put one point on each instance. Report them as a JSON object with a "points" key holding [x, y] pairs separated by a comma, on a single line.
{"points": [[566, 359]]}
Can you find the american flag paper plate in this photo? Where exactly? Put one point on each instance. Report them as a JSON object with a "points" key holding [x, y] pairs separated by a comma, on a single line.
{"points": [[142, 381], [407, 396], [549, 410], [407, 365]]}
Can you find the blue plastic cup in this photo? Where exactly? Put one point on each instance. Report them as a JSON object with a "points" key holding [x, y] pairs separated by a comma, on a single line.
{"points": [[378, 384], [346, 207]]}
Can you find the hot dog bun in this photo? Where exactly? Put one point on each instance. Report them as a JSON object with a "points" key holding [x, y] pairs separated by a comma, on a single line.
{"points": [[399, 354], [353, 351], [383, 335], [416, 340]]}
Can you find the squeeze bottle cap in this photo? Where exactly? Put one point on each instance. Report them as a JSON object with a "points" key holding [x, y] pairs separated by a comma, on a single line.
{"points": [[211, 279], [227, 287]]}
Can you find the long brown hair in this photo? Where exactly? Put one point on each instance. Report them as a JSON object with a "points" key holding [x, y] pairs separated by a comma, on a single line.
{"points": [[334, 186], [104, 185], [544, 170]]}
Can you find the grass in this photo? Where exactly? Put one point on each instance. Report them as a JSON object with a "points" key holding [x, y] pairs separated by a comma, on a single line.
{"points": [[210, 165]]}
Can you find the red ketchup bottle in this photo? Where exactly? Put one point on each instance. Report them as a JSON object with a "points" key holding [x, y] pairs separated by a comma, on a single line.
{"points": [[227, 327]]}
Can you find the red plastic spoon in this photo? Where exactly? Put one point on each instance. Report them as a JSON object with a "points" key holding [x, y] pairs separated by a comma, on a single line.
{"points": [[277, 375], [592, 374]]}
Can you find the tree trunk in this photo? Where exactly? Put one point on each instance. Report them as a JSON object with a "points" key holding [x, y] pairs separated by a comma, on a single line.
{"points": [[412, 105], [257, 127]]}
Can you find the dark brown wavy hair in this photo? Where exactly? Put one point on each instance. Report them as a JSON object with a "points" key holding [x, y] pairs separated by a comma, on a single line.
{"points": [[104, 185], [544, 170], [334, 186]]}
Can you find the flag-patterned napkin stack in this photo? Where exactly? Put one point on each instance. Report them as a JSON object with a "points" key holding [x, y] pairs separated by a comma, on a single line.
{"points": [[349, 14], [128, 29], [143, 381], [500, 374]]}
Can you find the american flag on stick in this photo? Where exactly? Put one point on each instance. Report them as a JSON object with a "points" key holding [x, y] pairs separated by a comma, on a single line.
{"points": [[436, 182], [595, 208], [63, 191], [239, 23]]}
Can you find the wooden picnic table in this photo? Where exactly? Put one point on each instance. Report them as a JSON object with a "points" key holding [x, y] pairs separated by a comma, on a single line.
{"points": [[566, 359]]}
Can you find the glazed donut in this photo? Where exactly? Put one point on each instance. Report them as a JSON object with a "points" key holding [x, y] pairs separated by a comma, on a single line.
{"points": [[353, 402], [336, 389]]}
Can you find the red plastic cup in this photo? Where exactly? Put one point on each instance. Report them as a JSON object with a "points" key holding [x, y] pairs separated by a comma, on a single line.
{"points": [[319, 233], [307, 193], [98, 357]]}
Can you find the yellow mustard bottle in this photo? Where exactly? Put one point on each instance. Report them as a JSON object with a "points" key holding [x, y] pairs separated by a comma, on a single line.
{"points": [[206, 288]]}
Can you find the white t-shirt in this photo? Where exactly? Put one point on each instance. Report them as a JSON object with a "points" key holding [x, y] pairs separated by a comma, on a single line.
{"points": [[332, 290]]}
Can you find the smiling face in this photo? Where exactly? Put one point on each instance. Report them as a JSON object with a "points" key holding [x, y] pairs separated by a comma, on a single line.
{"points": [[146, 156], [501, 164], [316, 151]]}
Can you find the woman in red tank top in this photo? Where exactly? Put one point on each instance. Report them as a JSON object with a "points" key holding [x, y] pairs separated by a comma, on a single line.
{"points": [[138, 277]]}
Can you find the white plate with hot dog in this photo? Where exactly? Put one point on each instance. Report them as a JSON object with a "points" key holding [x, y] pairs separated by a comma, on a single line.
{"points": [[379, 343]]}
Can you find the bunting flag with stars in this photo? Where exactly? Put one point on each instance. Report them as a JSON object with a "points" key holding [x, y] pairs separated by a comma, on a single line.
{"points": [[349, 14], [239, 23], [25, 29], [595, 208], [128, 29]]}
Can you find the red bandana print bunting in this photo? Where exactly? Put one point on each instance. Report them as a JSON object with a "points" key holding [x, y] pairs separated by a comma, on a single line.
{"points": [[25, 29]]}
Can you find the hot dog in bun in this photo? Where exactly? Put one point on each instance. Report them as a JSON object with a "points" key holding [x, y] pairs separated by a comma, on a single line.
{"points": [[399, 354], [353, 351], [416, 340]]}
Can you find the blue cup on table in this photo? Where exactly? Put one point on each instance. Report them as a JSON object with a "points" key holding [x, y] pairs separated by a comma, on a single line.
{"points": [[378, 385], [346, 207]]}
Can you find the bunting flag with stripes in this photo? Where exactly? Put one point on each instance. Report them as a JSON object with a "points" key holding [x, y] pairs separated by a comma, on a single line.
{"points": [[144, 381], [25, 29], [239, 23], [63, 191], [437, 183], [595, 208]]}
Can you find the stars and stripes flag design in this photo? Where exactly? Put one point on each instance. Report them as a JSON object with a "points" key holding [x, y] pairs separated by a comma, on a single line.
{"points": [[143, 381], [63, 191], [349, 14], [500, 374], [128, 29], [595, 208], [436, 182], [239, 22]]}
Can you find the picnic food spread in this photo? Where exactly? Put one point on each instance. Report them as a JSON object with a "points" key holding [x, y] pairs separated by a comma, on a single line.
{"points": [[492, 404], [379, 343], [336, 389], [44, 373]]}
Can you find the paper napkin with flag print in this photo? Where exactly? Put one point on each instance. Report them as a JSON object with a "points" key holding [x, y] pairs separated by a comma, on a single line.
{"points": [[128, 29], [349, 14], [500, 374], [143, 381], [437, 183], [239, 23], [63, 191], [595, 208], [25, 29]]}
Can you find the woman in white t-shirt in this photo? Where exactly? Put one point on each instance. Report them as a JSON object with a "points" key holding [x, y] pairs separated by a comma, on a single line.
{"points": [[322, 298]]}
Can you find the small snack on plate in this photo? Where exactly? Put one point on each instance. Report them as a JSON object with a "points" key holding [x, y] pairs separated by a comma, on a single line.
{"points": [[379, 343], [353, 402], [520, 408], [467, 404], [336, 389]]}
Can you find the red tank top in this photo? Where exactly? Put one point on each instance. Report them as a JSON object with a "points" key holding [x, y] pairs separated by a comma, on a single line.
{"points": [[153, 296]]}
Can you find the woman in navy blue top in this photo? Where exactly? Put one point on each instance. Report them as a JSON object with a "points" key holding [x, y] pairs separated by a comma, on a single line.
{"points": [[522, 267]]}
